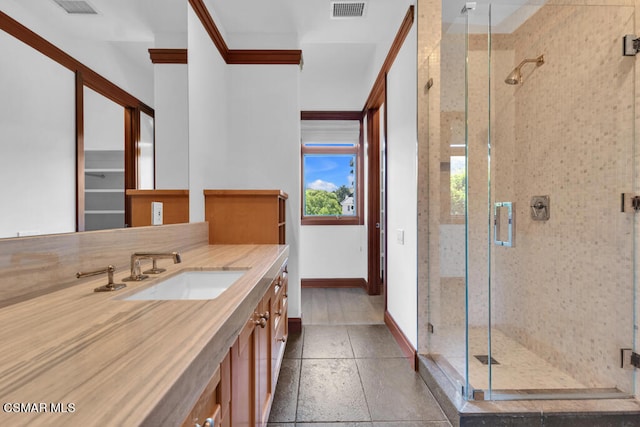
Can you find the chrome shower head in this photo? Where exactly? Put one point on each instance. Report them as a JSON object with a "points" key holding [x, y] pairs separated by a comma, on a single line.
{"points": [[515, 76]]}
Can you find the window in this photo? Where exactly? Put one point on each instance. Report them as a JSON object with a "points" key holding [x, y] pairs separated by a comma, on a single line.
{"points": [[452, 168], [332, 171], [457, 182]]}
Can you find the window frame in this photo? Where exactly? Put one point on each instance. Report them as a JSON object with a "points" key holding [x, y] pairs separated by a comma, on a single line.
{"points": [[358, 150]]}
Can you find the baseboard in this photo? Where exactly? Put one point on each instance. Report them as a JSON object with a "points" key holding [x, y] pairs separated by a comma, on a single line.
{"points": [[295, 325], [405, 345], [334, 283]]}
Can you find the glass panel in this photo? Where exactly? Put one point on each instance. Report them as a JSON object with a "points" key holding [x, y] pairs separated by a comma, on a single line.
{"points": [[446, 327], [479, 230], [562, 298], [329, 183], [541, 121], [146, 153]]}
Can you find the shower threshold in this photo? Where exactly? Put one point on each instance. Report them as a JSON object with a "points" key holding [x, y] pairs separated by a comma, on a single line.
{"points": [[564, 394], [480, 393], [540, 407]]}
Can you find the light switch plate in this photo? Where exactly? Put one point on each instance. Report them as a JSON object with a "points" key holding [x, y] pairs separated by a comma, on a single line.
{"points": [[156, 213], [400, 236]]}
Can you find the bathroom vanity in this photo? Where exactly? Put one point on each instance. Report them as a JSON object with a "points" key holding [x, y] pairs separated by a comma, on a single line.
{"points": [[72, 356]]}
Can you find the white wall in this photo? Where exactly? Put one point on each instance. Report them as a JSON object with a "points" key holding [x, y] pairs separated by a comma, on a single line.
{"points": [[329, 87], [264, 145], [330, 252], [37, 141], [172, 125], [244, 132], [208, 125], [103, 123], [402, 188]]}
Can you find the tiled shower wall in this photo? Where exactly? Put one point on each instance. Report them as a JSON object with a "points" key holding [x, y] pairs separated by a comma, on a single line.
{"points": [[565, 290]]}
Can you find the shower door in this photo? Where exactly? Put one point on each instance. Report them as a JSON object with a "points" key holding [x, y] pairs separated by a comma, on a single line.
{"points": [[550, 107]]}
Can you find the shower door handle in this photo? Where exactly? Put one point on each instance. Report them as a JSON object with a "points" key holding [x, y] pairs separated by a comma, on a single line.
{"points": [[502, 237]]}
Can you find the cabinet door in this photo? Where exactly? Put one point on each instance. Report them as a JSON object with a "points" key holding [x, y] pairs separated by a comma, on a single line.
{"points": [[242, 379], [225, 390], [263, 359], [280, 325]]}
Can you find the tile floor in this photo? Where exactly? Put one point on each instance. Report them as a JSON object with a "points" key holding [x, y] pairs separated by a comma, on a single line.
{"points": [[349, 375], [341, 306]]}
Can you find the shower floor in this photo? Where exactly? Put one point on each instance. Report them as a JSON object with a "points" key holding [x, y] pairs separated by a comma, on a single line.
{"points": [[517, 368]]}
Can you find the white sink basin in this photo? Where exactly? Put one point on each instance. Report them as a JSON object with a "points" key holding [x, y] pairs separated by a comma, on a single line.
{"points": [[190, 285]]}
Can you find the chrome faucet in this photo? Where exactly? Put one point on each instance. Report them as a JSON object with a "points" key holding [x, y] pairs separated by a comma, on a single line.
{"points": [[137, 276]]}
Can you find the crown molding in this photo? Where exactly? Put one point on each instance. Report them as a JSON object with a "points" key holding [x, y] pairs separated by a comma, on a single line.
{"points": [[242, 56], [168, 56], [254, 56], [376, 96]]}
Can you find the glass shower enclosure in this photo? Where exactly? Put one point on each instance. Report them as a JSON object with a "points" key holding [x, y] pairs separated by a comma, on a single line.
{"points": [[531, 277]]}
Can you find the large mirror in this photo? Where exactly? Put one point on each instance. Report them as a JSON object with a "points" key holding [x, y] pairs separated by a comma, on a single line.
{"points": [[38, 119]]}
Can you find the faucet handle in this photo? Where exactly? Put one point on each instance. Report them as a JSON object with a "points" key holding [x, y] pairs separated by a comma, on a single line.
{"points": [[154, 269], [110, 286], [135, 275]]}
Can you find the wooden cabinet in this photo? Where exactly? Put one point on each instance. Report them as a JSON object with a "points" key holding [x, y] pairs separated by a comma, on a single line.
{"points": [[245, 216], [241, 391], [175, 206]]}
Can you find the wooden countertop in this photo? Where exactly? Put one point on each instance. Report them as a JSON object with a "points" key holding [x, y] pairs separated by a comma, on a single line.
{"points": [[125, 363]]}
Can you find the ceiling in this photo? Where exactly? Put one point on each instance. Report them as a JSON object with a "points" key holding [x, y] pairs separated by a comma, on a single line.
{"points": [[340, 54], [311, 20]]}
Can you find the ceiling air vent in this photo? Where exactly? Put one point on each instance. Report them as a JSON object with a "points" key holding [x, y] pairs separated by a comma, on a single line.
{"points": [[76, 7], [347, 9]]}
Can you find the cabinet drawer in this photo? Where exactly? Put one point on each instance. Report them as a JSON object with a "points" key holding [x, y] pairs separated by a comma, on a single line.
{"points": [[207, 406]]}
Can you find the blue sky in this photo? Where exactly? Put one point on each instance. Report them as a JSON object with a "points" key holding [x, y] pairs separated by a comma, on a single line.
{"points": [[327, 172]]}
